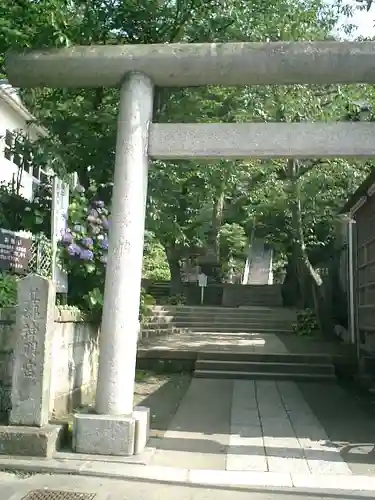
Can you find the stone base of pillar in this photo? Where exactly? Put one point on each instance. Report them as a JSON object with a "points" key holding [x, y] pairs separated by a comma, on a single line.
{"points": [[120, 435], [25, 441]]}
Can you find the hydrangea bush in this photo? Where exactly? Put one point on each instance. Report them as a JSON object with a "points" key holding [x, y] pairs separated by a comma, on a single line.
{"points": [[84, 248]]}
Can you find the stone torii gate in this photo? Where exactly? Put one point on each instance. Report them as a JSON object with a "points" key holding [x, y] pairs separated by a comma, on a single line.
{"points": [[116, 428]]}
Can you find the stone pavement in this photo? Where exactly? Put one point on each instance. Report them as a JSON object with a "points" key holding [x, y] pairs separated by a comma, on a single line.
{"points": [[273, 429], [112, 489], [200, 341], [309, 428], [245, 425], [245, 433], [233, 433]]}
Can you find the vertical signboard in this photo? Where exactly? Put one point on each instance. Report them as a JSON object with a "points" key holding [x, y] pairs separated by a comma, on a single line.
{"points": [[202, 282], [60, 207]]}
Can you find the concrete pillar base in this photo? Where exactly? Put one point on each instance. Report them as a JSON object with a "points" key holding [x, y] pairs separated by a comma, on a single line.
{"points": [[120, 435]]}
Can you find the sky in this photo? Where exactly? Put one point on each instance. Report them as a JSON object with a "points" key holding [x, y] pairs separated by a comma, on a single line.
{"points": [[364, 20]]}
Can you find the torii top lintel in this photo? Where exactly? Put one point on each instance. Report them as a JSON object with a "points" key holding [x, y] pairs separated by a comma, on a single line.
{"points": [[184, 65]]}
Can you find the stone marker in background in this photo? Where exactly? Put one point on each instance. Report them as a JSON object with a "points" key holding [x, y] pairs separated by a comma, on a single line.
{"points": [[32, 365]]}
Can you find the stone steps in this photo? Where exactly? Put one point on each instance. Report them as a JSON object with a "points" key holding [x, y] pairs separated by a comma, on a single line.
{"points": [[223, 314], [266, 357], [264, 367], [222, 309], [231, 365], [303, 377], [199, 316], [230, 321], [210, 319], [231, 328], [154, 331]]}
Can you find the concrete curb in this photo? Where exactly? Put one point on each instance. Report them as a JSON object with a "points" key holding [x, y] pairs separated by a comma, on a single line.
{"points": [[188, 477]]}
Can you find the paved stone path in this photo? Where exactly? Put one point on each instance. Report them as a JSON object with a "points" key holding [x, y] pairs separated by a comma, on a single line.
{"points": [[240, 425], [246, 425], [307, 428], [274, 429], [201, 341]]}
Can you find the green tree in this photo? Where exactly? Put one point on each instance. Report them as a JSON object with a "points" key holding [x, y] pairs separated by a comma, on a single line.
{"points": [[188, 202], [301, 211]]}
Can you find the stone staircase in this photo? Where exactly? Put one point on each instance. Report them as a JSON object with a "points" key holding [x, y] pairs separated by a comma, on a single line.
{"points": [[241, 323], [278, 366], [222, 319], [260, 265]]}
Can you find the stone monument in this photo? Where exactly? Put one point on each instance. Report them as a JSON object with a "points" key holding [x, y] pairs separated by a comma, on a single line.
{"points": [[29, 432]]}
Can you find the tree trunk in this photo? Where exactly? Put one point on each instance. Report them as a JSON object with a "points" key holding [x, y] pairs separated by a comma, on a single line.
{"points": [[213, 240], [290, 287], [309, 280], [173, 258]]}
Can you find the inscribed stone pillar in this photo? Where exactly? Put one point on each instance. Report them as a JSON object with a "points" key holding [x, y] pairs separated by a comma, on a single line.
{"points": [[33, 351]]}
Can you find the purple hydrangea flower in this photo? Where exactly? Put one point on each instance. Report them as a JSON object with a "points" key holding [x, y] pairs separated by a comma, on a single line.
{"points": [[95, 230], [104, 244], [78, 228], [98, 204], [67, 237], [74, 250], [87, 242], [86, 254], [93, 213]]}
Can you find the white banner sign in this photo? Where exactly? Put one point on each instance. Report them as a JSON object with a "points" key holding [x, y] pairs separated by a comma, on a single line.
{"points": [[60, 207], [202, 280]]}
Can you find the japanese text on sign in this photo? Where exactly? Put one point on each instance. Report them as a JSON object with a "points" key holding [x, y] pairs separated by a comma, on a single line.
{"points": [[30, 334], [14, 251]]}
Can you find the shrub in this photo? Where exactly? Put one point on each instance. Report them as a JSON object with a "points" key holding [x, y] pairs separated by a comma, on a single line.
{"points": [[306, 323], [174, 300], [84, 248], [8, 290]]}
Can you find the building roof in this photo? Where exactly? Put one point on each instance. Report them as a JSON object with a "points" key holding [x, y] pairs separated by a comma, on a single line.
{"points": [[11, 96], [359, 193]]}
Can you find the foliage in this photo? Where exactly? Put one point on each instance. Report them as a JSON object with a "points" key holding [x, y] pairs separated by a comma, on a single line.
{"points": [[147, 302], [306, 324], [8, 290], [84, 251], [365, 4], [233, 241], [84, 248], [81, 123], [155, 264], [193, 208], [174, 300], [299, 217], [20, 214]]}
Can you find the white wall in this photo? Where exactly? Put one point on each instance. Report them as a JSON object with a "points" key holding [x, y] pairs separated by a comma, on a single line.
{"points": [[13, 121]]}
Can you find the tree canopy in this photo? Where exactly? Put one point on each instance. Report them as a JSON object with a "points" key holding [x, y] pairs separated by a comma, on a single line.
{"points": [[194, 208]]}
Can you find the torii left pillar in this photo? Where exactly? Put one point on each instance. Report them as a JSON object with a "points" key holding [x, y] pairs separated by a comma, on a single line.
{"points": [[115, 428]]}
